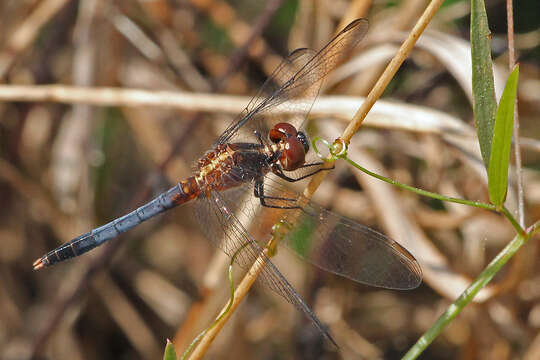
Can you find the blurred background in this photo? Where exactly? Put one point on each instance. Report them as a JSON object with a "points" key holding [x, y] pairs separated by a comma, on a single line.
{"points": [[67, 167]]}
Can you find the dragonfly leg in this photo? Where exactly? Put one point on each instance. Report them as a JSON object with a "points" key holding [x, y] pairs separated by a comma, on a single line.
{"points": [[276, 169], [259, 193]]}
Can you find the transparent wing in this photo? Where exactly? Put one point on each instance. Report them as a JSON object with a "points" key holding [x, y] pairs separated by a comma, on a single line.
{"points": [[219, 221], [327, 240], [342, 246], [275, 90], [215, 216], [299, 76]]}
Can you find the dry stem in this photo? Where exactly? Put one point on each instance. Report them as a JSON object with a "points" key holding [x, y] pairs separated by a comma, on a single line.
{"points": [[239, 293]]}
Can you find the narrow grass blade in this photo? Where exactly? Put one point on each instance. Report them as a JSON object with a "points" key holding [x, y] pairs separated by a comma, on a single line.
{"points": [[170, 353], [484, 105], [502, 139]]}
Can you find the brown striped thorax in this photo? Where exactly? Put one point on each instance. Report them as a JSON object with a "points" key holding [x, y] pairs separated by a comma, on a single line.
{"points": [[225, 166], [214, 164], [232, 164]]}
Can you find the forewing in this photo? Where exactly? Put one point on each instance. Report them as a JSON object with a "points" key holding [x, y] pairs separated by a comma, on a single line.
{"points": [[277, 89], [299, 76]]}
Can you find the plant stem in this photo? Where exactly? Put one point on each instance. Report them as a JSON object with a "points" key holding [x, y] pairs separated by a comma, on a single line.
{"points": [[379, 87], [466, 296], [220, 316], [241, 291], [433, 195], [513, 221], [394, 65]]}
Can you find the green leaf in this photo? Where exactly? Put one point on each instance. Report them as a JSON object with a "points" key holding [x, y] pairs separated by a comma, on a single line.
{"points": [[170, 353], [502, 139], [484, 103], [300, 238]]}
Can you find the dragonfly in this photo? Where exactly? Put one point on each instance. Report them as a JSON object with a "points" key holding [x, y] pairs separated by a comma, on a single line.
{"points": [[243, 179]]}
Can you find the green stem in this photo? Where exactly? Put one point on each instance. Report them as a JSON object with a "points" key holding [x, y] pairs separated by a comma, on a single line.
{"points": [[433, 195], [513, 221], [338, 150], [430, 194], [466, 296]]}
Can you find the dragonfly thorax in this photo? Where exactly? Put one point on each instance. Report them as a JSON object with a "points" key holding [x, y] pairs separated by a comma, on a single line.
{"points": [[214, 164]]}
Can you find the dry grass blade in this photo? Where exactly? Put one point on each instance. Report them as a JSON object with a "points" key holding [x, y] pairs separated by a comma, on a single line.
{"points": [[105, 104]]}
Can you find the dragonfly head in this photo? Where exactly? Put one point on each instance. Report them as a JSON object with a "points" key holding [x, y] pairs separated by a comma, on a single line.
{"points": [[294, 145]]}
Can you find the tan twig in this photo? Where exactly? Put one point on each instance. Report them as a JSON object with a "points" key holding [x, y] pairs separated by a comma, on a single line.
{"points": [[106, 96], [419, 118], [380, 85], [403, 17], [342, 107], [391, 70], [239, 293]]}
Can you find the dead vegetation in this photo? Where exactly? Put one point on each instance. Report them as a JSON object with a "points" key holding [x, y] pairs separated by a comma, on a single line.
{"points": [[103, 104]]}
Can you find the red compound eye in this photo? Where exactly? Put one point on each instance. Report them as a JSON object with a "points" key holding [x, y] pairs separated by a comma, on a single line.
{"points": [[281, 131], [293, 155]]}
